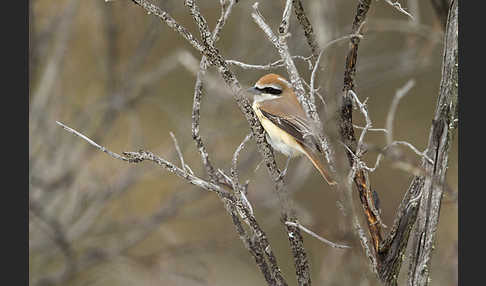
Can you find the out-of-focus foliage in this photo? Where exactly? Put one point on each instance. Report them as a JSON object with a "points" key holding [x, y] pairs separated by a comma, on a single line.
{"points": [[125, 80]]}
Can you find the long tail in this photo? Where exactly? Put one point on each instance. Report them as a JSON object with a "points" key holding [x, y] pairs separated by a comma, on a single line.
{"points": [[319, 166]]}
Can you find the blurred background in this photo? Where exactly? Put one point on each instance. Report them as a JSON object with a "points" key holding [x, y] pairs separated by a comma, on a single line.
{"points": [[124, 79]]}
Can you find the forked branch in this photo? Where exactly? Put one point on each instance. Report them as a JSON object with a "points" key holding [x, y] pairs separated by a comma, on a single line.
{"points": [[389, 251]]}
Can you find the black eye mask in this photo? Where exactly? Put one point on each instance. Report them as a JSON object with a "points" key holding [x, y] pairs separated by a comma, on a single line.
{"points": [[269, 90]]}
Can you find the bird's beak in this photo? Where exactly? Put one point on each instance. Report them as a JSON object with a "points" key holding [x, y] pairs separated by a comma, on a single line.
{"points": [[253, 90]]}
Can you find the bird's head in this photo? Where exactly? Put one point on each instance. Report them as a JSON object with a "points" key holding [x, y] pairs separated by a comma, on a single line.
{"points": [[270, 86]]}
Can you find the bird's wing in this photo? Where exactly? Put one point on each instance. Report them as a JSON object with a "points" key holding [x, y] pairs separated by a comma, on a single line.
{"points": [[297, 127]]}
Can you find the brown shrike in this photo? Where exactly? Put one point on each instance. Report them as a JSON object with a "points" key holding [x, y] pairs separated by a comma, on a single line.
{"points": [[288, 129]]}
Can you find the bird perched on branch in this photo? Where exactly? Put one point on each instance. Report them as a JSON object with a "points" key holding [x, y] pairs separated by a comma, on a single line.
{"points": [[288, 129]]}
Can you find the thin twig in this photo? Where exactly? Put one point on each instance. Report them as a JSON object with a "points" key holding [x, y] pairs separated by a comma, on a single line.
{"points": [[283, 29], [330, 243], [401, 92], [234, 166], [136, 157], [364, 110], [198, 92], [274, 65], [371, 129], [414, 149], [316, 64], [178, 150], [103, 149], [171, 22], [259, 247], [398, 6]]}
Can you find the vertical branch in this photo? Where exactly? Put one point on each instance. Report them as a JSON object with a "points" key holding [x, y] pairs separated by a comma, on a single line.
{"points": [[258, 247], [198, 91], [306, 26], [294, 235], [346, 125], [388, 253], [440, 137], [253, 245]]}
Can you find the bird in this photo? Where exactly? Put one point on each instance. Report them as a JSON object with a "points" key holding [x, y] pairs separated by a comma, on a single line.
{"points": [[288, 129]]}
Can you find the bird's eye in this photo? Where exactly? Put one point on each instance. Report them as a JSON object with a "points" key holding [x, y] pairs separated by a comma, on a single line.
{"points": [[270, 90]]}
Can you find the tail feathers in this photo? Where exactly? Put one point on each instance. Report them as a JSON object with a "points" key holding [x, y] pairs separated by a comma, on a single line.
{"points": [[319, 166]]}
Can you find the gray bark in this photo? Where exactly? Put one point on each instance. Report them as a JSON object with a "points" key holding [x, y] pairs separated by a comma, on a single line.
{"points": [[440, 138]]}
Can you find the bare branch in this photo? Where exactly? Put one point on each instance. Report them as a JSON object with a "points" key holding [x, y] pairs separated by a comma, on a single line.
{"points": [[359, 174], [171, 22], [300, 257], [371, 129], [136, 157], [322, 239], [225, 12], [103, 149], [274, 65], [215, 58], [440, 140], [398, 6], [414, 149], [283, 29], [234, 168], [306, 26], [393, 108], [364, 110], [178, 150], [316, 64]]}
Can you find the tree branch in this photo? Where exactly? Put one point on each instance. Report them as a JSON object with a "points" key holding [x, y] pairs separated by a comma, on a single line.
{"points": [[346, 125], [389, 251], [306, 26], [440, 140]]}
